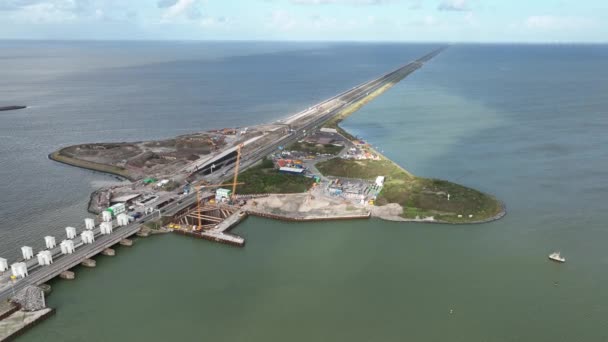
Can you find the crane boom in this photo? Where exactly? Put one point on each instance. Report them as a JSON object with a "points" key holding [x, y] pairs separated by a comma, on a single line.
{"points": [[234, 183], [236, 169]]}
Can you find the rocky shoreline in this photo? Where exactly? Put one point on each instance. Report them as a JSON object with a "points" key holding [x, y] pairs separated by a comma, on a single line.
{"points": [[390, 212]]}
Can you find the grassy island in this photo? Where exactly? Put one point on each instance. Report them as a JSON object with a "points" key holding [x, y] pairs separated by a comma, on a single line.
{"points": [[419, 197]]}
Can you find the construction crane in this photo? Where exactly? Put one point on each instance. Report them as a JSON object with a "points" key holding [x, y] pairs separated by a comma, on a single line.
{"points": [[234, 183], [236, 170], [198, 187]]}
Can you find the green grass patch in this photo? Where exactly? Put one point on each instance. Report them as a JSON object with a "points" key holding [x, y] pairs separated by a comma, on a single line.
{"points": [[420, 197], [363, 169], [264, 178], [315, 148]]}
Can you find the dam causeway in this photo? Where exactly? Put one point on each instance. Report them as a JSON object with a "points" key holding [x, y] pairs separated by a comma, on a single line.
{"points": [[83, 244]]}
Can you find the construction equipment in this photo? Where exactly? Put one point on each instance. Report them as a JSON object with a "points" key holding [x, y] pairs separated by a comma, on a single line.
{"points": [[236, 169], [234, 183], [198, 187]]}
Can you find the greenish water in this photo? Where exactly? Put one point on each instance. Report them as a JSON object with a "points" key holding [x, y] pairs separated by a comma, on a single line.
{"points": [[341, 281]]}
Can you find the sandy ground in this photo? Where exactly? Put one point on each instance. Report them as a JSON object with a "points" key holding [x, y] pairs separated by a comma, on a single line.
{"points": [[305, 205]]}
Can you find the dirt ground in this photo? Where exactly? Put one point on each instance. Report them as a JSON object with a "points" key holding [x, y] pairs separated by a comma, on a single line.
{"points": [[150, 158], [305, 205]]}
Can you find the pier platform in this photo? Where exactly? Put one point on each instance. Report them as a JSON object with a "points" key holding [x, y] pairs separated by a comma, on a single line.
{"points": [[18, 322]]}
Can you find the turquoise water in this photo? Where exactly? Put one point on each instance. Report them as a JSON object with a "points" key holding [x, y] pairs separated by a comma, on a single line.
{"points": [[525, 123]]}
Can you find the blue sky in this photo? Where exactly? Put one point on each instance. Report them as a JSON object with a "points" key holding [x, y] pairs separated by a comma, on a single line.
{"points": [[352, 20]]}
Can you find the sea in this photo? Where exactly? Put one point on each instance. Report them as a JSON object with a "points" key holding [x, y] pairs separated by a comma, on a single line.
{"points": [[526, 123]]}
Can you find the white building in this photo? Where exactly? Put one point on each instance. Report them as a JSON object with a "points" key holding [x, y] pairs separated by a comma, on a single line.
{"points": [[380, 181], [328, 130]]}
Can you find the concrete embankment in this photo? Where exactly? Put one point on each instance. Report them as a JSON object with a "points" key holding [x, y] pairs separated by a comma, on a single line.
{"points": [[84, 164], [305, 218], [17, 323]]}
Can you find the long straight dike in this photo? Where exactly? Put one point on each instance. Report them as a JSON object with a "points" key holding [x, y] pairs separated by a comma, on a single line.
{"points": [[41, 274]]}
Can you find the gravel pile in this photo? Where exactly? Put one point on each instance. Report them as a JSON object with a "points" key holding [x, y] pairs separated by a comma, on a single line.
{"points": [[30, 298]]}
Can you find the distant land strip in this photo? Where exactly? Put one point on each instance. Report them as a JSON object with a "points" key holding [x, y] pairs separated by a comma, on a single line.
{"points": [[12, 107]]}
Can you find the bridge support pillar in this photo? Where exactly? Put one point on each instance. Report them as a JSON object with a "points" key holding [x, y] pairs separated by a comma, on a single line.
{"points": [[89, 263], [126, 242], [143, 232], [108, 252], [69, 275], [46, 288]]}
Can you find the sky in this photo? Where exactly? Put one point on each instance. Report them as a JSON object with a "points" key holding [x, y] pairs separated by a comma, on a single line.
{"points": [[564, 21]]}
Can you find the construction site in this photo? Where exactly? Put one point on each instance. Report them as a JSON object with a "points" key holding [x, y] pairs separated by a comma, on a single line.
{"points": [[202, 185]]}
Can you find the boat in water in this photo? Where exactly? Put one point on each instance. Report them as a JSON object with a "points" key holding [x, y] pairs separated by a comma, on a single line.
{"points": [[556, 256]]}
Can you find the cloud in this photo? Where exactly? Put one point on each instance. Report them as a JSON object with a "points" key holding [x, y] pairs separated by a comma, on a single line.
{"points": [[48, 11], [424, 21], [62, 5], [165, 3], [178, 8], [282, 20], [341, 2], [214, 22], [453, 5], [12, 5], [551, 22], [55, 11]]}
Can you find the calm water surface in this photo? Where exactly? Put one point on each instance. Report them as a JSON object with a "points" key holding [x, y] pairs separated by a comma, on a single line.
{"points": [[526, 123]]}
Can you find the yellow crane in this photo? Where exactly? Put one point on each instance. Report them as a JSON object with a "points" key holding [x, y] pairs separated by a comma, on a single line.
{"points": [[236, 169], [234, 183]]}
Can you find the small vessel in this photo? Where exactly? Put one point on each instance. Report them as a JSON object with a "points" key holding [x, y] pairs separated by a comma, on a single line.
{"points": [[556, 256]]}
